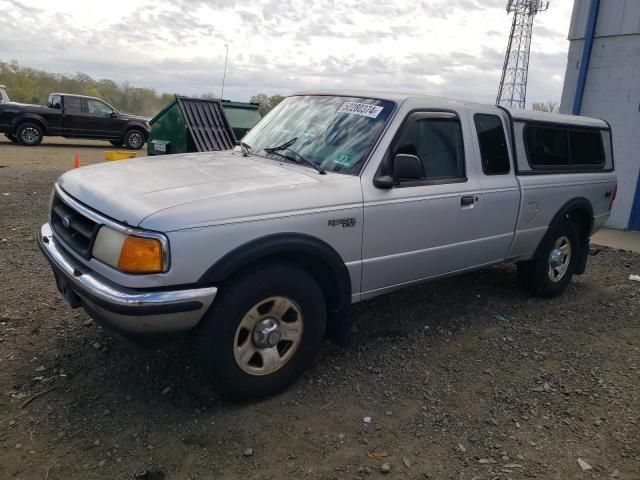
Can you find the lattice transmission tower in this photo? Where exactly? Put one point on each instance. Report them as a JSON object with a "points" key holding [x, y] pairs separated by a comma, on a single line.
{"points": [[513, 84]]}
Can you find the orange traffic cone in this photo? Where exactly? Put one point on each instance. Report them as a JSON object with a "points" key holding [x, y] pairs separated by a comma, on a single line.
{"points": [[76, 161]]}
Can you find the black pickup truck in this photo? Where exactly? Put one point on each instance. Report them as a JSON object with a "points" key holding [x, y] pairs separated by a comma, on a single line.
{"points": [[72, 116]]}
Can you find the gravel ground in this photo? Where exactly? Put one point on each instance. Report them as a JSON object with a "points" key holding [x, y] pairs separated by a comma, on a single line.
{"points": [[465, 378]]}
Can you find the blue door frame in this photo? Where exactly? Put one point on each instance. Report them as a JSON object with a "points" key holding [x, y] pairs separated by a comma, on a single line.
{"points": [[634, 220]]}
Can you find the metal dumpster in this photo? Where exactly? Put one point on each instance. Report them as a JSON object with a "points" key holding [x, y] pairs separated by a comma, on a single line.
{"points": [[190, 125], [242, 116]]}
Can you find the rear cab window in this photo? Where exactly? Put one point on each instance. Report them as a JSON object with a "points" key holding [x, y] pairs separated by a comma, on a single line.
{"points": [[55, 102], [494, 153], [73, 104]]}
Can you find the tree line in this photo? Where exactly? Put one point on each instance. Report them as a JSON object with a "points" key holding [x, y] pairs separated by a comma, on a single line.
{"points": [[28, 85]]}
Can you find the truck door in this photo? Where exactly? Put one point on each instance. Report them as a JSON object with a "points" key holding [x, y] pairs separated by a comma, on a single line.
{"points": [[54, 115], [73, 116], [499, 196], [425, 228], [104, 119]]}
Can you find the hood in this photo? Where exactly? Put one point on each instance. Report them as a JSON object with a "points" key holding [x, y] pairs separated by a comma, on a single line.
{"points": [[206, 187], [130, 116]]}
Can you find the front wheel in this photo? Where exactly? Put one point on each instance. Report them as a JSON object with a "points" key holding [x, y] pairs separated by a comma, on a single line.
{"points": [[29, 134], [551, 270], [264, 330], [134, 139]]}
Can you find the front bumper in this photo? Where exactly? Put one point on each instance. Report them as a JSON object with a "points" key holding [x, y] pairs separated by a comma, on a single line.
{"points": [[125, 310]]}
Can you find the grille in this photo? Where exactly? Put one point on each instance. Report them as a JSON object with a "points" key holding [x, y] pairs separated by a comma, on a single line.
{"points": [[75, 230]]}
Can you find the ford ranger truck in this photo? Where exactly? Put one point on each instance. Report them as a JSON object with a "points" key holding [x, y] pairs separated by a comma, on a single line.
{"points": [[333, 198]]}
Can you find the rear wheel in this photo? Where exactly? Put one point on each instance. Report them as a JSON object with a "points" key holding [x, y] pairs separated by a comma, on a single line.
{"points": [[551, 270], [134, 139], [263, 332], [29, 134]]}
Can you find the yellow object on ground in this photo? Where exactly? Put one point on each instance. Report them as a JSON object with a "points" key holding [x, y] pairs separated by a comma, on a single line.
{"points": [[119, 155]]}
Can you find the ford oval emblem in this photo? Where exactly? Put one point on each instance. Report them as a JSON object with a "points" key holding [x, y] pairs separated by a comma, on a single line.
{"points": [[66, 222]]}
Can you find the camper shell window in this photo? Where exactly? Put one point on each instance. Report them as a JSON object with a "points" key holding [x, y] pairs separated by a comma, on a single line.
{"points": [[564, 147]]}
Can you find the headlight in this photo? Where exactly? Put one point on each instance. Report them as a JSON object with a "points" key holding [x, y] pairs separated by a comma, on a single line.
{"points": [[130, 253]]}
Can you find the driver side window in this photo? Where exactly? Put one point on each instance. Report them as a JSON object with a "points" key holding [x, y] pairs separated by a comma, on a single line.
{"points": [[98, 108], [438, 143]]}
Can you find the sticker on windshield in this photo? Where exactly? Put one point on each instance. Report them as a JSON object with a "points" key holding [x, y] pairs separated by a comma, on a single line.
{"points": [[344, 160], [363, 109]]}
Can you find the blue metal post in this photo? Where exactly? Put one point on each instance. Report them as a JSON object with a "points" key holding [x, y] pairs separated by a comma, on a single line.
{"points": [[586, 55]]}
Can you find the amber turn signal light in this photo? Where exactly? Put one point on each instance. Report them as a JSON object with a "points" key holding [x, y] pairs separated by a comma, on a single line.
{"points": [[141, 255]]}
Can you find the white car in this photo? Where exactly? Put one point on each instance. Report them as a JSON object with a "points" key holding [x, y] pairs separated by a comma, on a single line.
{"points": [[331, 199]]}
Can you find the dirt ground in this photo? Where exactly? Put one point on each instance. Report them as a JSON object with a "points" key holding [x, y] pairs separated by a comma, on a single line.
{"points": [[465, 378]]}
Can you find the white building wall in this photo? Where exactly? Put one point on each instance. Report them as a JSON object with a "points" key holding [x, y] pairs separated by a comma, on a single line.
{"points": [[615, 17], [612, 90]]}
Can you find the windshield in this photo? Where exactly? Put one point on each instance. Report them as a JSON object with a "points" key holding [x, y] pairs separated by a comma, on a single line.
{"points": [[335, 133]]}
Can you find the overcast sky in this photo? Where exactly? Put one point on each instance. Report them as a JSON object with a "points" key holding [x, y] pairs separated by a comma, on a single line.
{"points": [[453, 48]]}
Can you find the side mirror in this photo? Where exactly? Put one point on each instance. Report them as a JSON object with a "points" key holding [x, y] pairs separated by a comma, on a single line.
{"points": [[114, 115], [407, 167]]}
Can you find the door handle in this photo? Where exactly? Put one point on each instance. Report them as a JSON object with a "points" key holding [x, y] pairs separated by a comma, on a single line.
{"points": [[608, 194], [468, 200]]}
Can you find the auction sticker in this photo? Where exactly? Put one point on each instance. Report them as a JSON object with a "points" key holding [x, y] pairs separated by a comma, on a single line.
{"points": [[363, 109]]}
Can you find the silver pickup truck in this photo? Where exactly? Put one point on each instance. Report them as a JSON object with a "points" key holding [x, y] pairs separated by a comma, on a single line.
{"points": [[333, 198]]}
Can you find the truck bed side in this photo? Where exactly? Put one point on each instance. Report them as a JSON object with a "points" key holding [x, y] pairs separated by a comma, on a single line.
{"points": [[548, 194]]}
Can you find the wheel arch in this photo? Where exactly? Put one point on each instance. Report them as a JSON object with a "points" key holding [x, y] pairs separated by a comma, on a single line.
{"points": [[30, 118], [135, 126], [307, 252], [579, 211]]}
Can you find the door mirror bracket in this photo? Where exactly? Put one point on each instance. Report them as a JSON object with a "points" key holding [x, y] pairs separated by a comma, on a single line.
{"points": [[384, 182]]}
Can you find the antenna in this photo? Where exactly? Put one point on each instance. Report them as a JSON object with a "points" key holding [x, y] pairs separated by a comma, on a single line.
{"points": [[512, 92], [224, 74]]}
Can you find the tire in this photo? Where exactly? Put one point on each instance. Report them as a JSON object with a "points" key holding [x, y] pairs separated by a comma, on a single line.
{"points": [[551, 270], [228, 354], [134, 139], [29, 134], [116, 143], [12, 138]]}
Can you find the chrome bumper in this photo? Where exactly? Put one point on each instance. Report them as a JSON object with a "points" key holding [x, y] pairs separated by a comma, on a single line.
{"points": [[123, 309]]}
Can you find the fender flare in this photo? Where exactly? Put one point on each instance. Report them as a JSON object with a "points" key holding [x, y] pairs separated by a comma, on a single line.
{"points": [[578, 203], [29, 117], [573, 205], [137, 124], [314, 254]]}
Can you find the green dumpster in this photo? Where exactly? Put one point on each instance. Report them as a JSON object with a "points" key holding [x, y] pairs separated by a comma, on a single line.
{"points": [[242, 116], [199, 125]]}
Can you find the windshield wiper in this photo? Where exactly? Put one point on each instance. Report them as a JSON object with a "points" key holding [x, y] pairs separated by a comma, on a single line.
{"points": [[246, 149], [299, 159]]}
